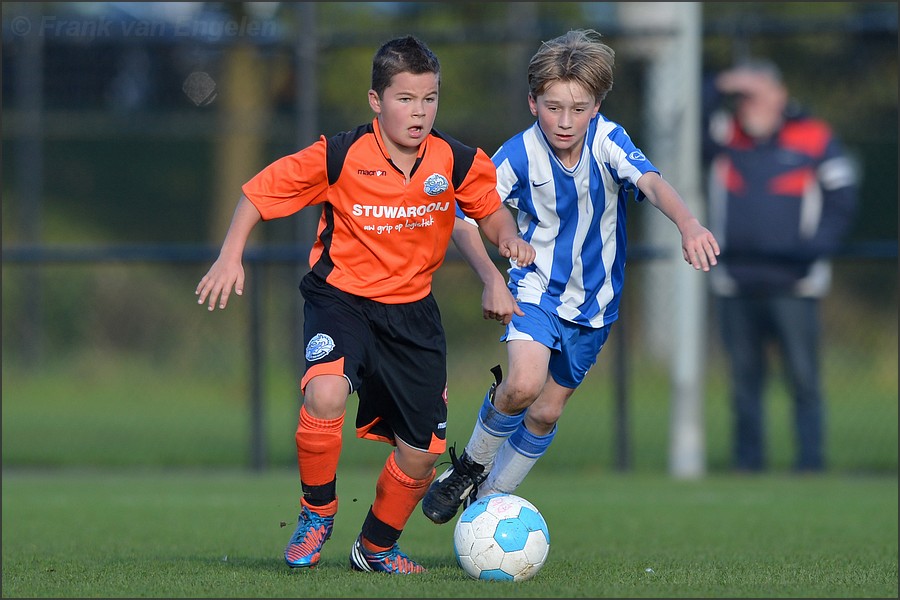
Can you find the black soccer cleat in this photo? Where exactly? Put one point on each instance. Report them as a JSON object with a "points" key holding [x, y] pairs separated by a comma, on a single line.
{"points": [[451, 489]]}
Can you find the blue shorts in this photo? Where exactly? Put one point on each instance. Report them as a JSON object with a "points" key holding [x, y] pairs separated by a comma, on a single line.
{"points": [[573, 348]]}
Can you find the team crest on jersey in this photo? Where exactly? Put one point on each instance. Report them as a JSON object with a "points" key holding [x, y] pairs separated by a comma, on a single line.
{"points": [[436, 184], [319, 347]]}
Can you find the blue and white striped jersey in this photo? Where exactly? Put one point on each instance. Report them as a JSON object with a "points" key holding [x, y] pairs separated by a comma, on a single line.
{"points": [[574, 218]]}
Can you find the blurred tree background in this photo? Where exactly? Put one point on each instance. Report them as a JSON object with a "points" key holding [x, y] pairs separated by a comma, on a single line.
{"points": [[133, 124], [126, 148]]}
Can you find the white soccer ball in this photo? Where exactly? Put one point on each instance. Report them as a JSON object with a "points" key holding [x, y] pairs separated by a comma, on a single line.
{"points": [[501, 537]]}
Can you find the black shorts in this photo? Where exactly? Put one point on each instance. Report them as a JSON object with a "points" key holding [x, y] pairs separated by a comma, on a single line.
{"points": [[394, 357]]}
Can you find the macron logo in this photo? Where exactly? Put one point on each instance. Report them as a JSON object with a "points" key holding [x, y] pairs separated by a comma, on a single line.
{"points": [[371, 173]]}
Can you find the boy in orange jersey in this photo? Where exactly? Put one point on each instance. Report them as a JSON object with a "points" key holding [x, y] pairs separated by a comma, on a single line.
{"points": [[388, 192]]}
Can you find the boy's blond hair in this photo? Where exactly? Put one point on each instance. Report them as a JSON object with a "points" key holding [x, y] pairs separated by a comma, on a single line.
{"points": [[577, 56]]}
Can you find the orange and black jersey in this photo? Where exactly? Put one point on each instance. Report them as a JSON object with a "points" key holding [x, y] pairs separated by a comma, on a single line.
{"points": [[379, 237]]}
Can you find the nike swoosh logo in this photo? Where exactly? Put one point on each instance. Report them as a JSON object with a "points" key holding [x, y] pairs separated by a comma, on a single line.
{"points": [[536, 184]]}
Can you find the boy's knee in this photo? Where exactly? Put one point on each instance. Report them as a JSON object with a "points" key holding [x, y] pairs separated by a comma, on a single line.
{"points": [[514, 396], [543, 418], [414, 463], [325, 396]]}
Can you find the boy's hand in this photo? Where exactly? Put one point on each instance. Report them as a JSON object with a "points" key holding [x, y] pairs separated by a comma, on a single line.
{"points": [[698, 246], [518, 249], [218, 283], [498, 303]]}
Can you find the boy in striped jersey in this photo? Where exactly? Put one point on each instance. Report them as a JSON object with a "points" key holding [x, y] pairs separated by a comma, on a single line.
{"points": [[569, 177]]}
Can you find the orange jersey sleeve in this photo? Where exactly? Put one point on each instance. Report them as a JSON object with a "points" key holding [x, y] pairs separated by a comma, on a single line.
{"points": [[477, 194], [290, 183]]}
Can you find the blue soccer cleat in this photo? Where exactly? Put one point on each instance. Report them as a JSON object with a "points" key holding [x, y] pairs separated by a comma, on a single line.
{"points": [[391, 561], [306, 544]]}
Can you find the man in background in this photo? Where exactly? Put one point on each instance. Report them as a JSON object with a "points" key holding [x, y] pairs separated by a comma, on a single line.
{"points": [[782, 197]]}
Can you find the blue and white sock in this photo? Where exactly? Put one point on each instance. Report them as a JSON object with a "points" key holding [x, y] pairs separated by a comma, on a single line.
{"points": [[493, 428], [514, 460]]}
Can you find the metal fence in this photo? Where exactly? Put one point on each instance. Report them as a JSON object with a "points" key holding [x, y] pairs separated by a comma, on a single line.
{"points": [[127, 131]]}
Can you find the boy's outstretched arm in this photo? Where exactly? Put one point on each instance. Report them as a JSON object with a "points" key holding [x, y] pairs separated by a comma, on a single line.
{"points": [[698, 245], [500, 228], [227, 272], [497, 301]]}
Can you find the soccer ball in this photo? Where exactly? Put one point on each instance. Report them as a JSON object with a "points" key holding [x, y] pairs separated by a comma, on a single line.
{"points": [[501, 537]]}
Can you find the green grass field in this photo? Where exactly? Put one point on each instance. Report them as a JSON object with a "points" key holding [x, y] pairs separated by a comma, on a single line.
{"points": [[126, 469], [184, 533]]}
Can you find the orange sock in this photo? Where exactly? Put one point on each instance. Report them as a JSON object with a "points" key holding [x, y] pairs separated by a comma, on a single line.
{"points": [[396, 496], [318, 451], [326, 510]]}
